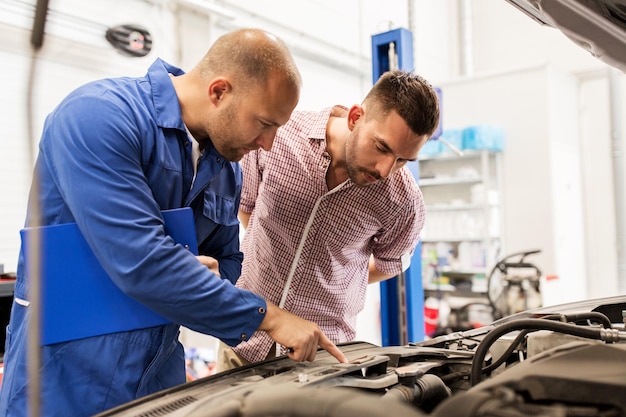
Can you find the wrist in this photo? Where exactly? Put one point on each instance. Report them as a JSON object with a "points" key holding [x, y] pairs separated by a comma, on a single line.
{"points": [[271, 312]]}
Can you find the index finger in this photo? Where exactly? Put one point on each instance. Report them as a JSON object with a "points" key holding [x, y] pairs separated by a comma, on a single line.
{"points": [[331, 348]]}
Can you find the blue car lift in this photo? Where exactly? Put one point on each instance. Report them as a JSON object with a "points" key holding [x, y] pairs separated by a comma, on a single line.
{"points": [[401, 297]]}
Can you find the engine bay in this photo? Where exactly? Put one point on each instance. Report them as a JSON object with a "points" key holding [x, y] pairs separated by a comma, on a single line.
{"points": [[565, 360]]}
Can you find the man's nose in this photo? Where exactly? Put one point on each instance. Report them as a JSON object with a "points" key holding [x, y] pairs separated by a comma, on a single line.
{"points": [[266, 139], [386, 166]]}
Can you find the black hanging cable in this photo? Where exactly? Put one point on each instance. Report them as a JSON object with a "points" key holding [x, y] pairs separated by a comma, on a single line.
{"points": [[39, 24], [132, 40], [34, 245]]}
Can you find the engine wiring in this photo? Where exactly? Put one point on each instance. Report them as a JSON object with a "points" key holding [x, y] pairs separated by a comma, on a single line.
{"points": [[605, 334]]}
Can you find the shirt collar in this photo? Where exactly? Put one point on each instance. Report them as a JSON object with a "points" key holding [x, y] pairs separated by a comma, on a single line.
{"points": [[319, 122], [166, 103]]}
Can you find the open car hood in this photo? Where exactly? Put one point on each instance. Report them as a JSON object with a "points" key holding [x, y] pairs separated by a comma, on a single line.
{"points": [[598, 26], [553, 361]]}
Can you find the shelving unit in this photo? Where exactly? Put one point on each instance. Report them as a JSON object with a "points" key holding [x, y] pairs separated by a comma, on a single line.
{"points": [[462, 236]]}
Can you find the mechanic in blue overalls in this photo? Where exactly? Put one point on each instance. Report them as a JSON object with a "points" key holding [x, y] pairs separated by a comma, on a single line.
{"points": [[113, 155]]}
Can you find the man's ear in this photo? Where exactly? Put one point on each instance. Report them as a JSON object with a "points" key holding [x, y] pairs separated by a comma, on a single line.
{"points": [[354, 114], [218, 87]]}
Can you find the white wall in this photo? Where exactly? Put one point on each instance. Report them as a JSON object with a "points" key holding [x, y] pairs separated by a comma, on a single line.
{"points": [[598, 181], [505, 40]]}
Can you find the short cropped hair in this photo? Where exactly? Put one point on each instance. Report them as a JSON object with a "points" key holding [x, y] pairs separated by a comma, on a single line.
{"points": [[250, 55], [410, 95]]}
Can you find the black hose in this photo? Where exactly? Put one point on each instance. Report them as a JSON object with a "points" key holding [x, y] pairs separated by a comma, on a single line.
{"points": [[427, 392], [518, 339], [524, 324], [433, 391], [564, 318], [590, 315]]}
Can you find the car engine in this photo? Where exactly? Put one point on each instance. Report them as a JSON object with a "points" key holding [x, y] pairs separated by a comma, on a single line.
{"points": [[567, 360]]}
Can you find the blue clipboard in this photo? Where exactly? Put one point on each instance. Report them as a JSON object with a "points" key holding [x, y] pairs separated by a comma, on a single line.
{"points": [[78, 298]]}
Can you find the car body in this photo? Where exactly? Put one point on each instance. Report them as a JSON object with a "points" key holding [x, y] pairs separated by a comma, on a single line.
{"points": [[598, 26]]}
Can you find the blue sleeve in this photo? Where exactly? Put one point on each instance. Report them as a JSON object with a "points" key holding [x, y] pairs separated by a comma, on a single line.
{"points": [[95, 166], [225, 248]]}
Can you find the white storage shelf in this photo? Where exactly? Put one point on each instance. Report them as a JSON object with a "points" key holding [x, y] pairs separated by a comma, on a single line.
{"points": [[462, 234], [429, 182]]}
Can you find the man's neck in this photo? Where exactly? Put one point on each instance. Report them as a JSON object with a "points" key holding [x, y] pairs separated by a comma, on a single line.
{"points": [[337, 133]]}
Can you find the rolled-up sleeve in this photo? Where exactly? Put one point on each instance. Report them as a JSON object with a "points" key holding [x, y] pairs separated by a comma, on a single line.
{"points": [[394, 248]]}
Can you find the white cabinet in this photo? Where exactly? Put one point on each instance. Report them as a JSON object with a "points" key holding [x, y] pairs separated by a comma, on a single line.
{"points": [[462, 234]]}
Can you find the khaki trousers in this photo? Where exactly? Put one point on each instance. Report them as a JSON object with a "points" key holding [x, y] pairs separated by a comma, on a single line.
{"points": [[227, 358]]}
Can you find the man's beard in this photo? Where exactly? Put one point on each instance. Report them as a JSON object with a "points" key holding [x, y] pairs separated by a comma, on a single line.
{"points": [[224, 144]]}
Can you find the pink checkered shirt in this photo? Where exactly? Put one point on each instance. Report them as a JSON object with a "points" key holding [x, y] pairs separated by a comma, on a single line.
{"points": [[306, 248]]}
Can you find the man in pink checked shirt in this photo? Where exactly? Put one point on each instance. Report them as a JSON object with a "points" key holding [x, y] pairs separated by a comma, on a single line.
{"points": [[333, 207]]}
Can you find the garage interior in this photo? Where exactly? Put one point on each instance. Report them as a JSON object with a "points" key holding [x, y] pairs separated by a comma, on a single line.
{"points": [[529, 159]]}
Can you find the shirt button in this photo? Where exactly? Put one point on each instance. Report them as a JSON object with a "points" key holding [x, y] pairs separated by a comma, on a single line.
{"points": [[243, 336], [261, 310], [217, 159]]}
